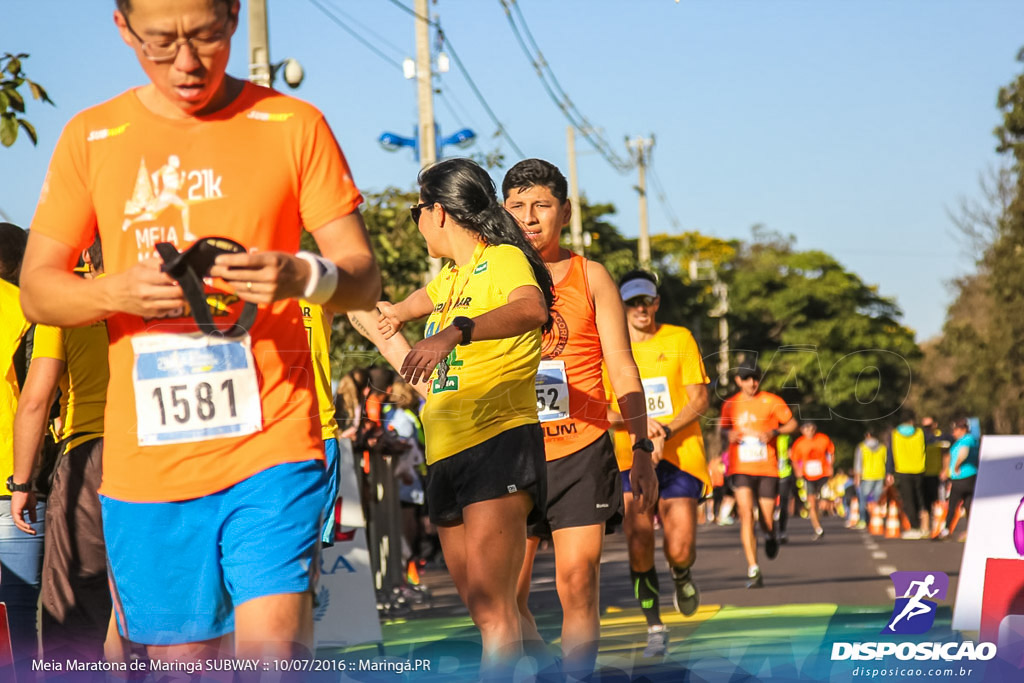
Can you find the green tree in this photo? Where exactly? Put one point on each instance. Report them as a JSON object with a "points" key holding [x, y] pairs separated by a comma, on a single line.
{"points": [[980, 344], [828, 342], [12, 102]]}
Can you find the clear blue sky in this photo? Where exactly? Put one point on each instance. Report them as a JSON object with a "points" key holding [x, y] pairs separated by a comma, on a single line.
{"points": [[855, 126]]}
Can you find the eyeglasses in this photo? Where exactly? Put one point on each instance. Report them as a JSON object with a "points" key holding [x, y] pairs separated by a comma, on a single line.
{"points": [[165, 50], [416, 209], [636, 301]]}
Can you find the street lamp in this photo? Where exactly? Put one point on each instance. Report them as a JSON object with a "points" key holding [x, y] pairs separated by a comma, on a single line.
{"points": [[393, 142]]}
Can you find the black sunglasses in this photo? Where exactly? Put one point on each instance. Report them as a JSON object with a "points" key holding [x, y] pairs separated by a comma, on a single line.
{"points": [[640, 301], [416, 209]]}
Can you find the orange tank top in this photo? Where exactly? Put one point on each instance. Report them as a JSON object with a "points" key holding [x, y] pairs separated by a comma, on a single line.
{"points": [[573, 408]]}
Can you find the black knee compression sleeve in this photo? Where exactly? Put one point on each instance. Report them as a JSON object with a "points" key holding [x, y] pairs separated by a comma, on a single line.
{"points": [[645, 589]]}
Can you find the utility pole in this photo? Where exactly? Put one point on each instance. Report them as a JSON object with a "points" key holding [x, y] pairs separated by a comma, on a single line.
{"points": [[425, 99], [641, 147], [703, 269], [259, 44], [425, 87], [576, 221]]}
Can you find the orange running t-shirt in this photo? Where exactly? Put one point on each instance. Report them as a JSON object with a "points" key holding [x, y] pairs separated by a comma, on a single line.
{"points": [[813, 456], [571, 401], [257, 172], [761, 412]]}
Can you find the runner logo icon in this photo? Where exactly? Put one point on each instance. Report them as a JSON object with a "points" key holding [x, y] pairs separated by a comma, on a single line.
{"points": [[914, 612]]}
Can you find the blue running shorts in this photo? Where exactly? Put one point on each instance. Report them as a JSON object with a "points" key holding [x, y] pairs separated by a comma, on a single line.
{"points": [[178, 569], [672, 482], [332, 465]]}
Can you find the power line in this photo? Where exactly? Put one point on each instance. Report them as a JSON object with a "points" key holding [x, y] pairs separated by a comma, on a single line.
{"points": [[659, 192], [352, 20], [370, 46], [465, 74], [555, 90]]}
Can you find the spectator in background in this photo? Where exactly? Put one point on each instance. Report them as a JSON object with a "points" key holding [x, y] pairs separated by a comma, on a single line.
{"points": [[908, 461], [936, 444], [869, 458], [348, 402], [21, 555], [963, 473]]}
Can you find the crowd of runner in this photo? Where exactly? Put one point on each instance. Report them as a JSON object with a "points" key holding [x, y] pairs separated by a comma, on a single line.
{"points": [[195, 439]]}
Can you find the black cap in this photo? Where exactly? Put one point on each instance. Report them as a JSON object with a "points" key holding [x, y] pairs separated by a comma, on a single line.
{"points": [[748, 371]]}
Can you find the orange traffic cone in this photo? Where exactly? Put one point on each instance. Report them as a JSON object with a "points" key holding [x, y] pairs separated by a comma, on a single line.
{"points": [[854, 516], [877, 526], [412, 574], [938, 517], [893, 529]]}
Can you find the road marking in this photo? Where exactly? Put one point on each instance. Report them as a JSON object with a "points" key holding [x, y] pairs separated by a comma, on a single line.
{"points": [[886, 569], [871, 546], [891, 592], [879, 555]]}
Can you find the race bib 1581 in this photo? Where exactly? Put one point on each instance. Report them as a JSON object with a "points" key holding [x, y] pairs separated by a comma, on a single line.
{"points": [[192, 387]]}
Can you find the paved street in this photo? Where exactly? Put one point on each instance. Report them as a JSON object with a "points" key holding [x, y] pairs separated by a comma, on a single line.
{"points": [[814, 592]]}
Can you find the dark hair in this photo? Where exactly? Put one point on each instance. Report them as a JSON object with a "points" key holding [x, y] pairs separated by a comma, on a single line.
{"points": [[12, 250], [467, 193], [962, 423], [530, 172], [96, 253], [907, 415], [126, 5], [639, 275]]}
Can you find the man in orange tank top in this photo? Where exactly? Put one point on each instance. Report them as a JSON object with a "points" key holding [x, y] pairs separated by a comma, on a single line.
{"points": [[584, 487], [751, 420], [812, 455], [206, 437]]}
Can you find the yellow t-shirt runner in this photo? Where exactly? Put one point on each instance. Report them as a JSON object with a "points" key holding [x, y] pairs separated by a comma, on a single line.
{"points": [[318, 333], [83, 384], [13, 327], [489, 387], [669, 361]]}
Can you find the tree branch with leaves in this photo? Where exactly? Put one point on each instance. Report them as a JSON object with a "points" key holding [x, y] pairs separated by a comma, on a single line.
{"points": [[12, 101]]}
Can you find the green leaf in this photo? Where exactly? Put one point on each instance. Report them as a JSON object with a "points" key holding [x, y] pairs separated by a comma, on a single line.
{"points": [[30, 130], [8, 129], [38, 91], [14, 66], [17, 102], [5, 101]]}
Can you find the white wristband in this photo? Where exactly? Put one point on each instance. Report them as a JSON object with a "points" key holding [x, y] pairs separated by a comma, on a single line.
{"points": [[323, 278]]}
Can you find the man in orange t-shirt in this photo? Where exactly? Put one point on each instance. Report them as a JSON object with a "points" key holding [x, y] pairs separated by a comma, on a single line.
{"points": [[812, 456], [751, 420], [207, 437]]}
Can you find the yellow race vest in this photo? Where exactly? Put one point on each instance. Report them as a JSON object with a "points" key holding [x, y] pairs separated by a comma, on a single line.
{"points": [[872, 463], [908, 452]]}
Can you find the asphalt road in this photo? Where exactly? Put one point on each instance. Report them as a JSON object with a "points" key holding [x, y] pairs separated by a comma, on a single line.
{"points": [[847, 567]]}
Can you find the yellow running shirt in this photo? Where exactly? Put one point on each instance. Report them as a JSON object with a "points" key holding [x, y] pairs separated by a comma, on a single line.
{"points": [[12, 328], [489, 387], [668, 362], [318, 332], [83, 384]]}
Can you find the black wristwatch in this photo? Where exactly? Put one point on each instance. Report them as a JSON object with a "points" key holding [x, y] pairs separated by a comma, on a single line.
{"points": [[645, 445], [18, 488], [465, 325], [668, 431]]}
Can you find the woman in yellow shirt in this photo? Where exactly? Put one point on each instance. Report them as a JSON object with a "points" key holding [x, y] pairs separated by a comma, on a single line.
{"points": [[484, 446]]}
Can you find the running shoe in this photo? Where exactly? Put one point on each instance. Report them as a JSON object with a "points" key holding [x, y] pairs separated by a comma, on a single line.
{"points": [[771, 546], [755, 580], [783, 538], [687, 596], [912, 535], [819, 535], [657, 642]]}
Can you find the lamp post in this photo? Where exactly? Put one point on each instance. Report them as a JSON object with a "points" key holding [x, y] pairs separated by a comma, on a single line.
{"points": [[393, 142]]}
